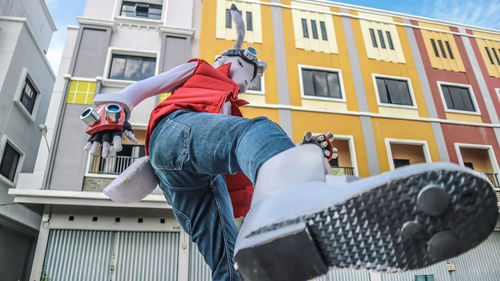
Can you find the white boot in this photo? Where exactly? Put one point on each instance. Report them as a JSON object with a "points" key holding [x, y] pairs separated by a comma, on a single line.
{"points": [[299, 225]]}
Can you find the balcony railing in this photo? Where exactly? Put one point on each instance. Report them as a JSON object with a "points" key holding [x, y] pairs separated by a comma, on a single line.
{"points": [[493, 177], [343, 171], [114, 165]]}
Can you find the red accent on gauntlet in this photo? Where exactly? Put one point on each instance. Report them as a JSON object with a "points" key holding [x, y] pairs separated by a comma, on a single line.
{"points": [[104, 124]]}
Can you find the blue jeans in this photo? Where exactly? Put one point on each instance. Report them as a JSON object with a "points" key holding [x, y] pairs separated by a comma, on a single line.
{"points": [[190, 152]]}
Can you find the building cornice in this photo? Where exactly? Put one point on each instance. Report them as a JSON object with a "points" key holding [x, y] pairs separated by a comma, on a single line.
{"points": [[177, 30], [372, 114], [386, 13], [32, 35], [63, 197], [91, 21]]}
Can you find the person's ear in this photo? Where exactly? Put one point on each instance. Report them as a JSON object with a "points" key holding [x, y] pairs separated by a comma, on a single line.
{"points": [[262, 66]]}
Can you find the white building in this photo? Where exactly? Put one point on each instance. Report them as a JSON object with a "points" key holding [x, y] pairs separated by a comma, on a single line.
{"points": [[26, 83]]}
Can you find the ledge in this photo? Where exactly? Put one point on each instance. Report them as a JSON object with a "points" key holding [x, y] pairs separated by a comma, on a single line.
{"points": [[80, 198]]}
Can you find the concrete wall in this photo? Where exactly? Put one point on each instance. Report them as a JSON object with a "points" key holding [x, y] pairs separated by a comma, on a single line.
{"points": [[16, 254]]}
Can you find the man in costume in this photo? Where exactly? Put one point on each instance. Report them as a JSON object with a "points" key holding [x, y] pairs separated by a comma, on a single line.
{"points": [[301, 220]]}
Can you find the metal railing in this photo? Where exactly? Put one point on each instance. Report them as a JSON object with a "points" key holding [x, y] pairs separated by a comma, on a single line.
{"points": [[343, 171], [114, 165]]}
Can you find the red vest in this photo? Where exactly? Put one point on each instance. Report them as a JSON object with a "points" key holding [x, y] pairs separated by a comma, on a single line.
{"points": [[206, 91]]}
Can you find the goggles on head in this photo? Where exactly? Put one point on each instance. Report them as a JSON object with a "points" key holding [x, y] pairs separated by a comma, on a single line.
{"points": [[249, 55]]}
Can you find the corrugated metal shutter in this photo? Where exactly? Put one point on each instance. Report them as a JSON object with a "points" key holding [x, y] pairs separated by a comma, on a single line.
{"points": [[481, 263], [82, 255], [198, 269], [146, 256], [78, 255], [345, 275]]}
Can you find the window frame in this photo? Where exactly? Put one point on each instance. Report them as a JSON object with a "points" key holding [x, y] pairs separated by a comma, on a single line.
{"points": [[352, 149], [410, 88], [19, 92], [491, 153], [311, 67], [423, 143], [262, 87], [127, 52], [118, 10], [471, 92], [3, 143]]}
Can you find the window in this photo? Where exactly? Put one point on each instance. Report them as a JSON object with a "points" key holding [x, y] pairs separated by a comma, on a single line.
{"points": [[28, 95], [133, 68], [305, 31], [389, 40], [322, 25], [321, 83], [229, 22], [401, 163], [314, 29], [428, 277], [442, 49], [10, 160], [141, 10], [374, 39], [458, 98], [393, 91], [256, 84], [381, 38], [494, 52], [249, 21]]}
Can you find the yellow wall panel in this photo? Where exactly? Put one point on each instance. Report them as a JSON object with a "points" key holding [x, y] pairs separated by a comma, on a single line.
{"points": [[252, 112], [405, 130], [337, 124], [493, 68], [378, 52], [397, 111], [464, 117], [253, 98], [320, 104], [81, 92]]}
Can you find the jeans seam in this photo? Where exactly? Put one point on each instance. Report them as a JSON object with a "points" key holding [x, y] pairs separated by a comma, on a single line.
{"points": [[170, 202], [224, 235]]}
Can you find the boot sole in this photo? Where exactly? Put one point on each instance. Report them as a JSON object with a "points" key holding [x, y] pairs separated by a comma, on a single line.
{"points": [[406, 223]]}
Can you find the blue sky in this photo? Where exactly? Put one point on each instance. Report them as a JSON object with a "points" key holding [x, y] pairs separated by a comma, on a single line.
{"points": [[484, 13]]}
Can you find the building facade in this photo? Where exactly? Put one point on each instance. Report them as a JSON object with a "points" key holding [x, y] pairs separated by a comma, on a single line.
{"points": [[394, 89], [26, 83]]}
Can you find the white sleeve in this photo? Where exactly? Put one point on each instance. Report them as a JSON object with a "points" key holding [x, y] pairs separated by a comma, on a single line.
{"points": [[165, 82]]}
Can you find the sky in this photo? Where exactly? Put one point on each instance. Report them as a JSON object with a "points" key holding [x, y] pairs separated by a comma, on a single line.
{"points": [[483, 13]]}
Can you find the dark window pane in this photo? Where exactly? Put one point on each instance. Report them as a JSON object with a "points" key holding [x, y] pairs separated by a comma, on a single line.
{"points": [[394, 91], [489, 56], [469, 165], [449, 50], [255, 85], [131, 67], [389, 40], [314, 29], [308, 82], [249, 21], [323, 30], [305, 30], [10, 159], [458, 98], [381, 38], [400, 163], [442, 48], [228, 18], [321, 83], [436, 53], [28, 96], [142, 10], [374, 39], [496, 56]]}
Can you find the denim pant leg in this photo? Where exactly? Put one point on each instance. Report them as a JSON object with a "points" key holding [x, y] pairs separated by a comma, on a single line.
{"points": [[190, 151]]}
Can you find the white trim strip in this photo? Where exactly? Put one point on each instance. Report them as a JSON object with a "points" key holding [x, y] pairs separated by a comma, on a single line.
{"points": [[371, 114]]}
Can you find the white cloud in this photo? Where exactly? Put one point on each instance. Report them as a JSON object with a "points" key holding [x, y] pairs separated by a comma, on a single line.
{"points": [[484, 13]]}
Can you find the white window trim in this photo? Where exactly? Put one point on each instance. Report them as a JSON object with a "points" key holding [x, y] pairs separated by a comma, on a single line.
{"points": [[341, 81], [498, 94], [471, 92], [118, 17], [3, 140], [262, 86], [130, 52], [423, 143], [19, 91], [410, 87], [352, 150], [491, 153]]}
